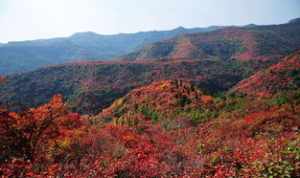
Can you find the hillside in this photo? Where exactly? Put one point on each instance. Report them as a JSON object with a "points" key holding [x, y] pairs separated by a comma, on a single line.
{"points": [[279, 77], [87, 46], [242, 43], [223, 59], [169, 121], [90, 87], [215, 137], [296, 20], [164, 97]]}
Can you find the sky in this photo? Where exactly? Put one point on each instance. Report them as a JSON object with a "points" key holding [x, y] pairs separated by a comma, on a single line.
{"points": [[36, 19]]}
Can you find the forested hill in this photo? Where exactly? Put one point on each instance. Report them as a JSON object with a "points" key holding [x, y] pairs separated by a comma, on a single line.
{"points": [[252, 42]]}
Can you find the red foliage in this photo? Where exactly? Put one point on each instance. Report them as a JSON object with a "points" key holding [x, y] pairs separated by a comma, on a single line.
{"points": [[2, 79], [274, 79], [207, 99], [51, 141]]}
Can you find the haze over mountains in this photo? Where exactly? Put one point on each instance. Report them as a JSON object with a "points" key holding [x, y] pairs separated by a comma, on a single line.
{"points": [[86, 46]]}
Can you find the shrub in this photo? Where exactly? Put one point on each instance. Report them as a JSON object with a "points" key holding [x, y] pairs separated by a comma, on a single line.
{"points": [[281, 100], [119, 151], [282, 169], [148, 112], [199, 116], [233, 103], [293, 150], [130, 119], [200, 148], [182, 101], [295, 74], [59, 150]]}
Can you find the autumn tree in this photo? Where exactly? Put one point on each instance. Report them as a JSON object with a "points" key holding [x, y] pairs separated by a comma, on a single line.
{"points": [[21, 133]]}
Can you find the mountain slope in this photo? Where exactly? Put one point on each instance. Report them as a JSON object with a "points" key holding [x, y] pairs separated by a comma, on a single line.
{"points": [[164, 96], [242, 43], [279, 77], [29, 55], [90, 87], [234, 137], [218, 65]]}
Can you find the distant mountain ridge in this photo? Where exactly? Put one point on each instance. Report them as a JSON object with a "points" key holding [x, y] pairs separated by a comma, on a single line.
{"points": [[240, 42], [296, 20], [251, 42], [29, 55]]}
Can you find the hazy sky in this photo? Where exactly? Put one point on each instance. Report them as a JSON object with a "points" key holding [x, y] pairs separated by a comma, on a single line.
{"points": [[32, 19]]}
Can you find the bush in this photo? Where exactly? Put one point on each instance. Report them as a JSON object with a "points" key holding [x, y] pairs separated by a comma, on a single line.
{"points": [[199, 116], [233, 103], [281, 100], [148, 112], [182, 101], [282, 169], [295, 74], [293, 150]]}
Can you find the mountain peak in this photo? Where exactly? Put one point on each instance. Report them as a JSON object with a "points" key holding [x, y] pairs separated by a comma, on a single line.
{"points": [[84, 34], [180, 28], [162, 96], [251, 25], [296, 20]]}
